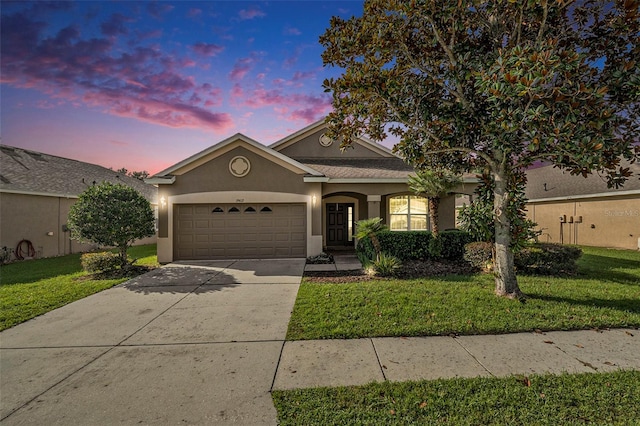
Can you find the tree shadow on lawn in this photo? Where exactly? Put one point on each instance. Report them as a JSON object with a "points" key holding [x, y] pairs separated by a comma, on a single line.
{"points": [[596, 267], [626, 305]]}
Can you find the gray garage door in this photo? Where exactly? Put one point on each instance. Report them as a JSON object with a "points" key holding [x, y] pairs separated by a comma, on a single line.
{"points": [[236, 231]]}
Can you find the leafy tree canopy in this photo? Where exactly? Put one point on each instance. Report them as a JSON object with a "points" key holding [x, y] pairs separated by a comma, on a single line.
{"points": [[112, 215], [492, 86]]}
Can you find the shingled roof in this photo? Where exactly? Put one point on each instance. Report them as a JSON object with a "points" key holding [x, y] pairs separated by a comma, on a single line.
{"points": [[354, 168], [549, 182], [31, 172]]}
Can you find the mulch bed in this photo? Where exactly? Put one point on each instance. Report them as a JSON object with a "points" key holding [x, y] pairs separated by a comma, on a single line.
{"points": [[409, 270]]}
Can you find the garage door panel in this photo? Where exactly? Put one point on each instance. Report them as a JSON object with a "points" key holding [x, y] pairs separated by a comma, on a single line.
{"points": [[214, 231], [185, 224], [297, 223], [217, 238], [202, 238]]}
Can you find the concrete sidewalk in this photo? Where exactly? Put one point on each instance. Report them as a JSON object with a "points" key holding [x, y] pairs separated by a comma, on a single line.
{"points": [[342, 262], [315, 363]]}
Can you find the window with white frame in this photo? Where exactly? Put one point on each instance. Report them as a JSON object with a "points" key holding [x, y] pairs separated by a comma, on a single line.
{"points": [[408, 213]]}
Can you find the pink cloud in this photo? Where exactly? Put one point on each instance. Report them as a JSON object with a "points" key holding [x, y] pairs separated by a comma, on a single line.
{"points": [[116, 25], [246, 14], [292, 31], [194, 12], [303, 75], [207, 49], [288, 106], [150, 34], [241, 68], [143, 83], [158, 9]]}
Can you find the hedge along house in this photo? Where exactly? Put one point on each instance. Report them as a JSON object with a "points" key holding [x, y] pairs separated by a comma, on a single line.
{"points": [[576, 210], [36, 192], [296, 198]]}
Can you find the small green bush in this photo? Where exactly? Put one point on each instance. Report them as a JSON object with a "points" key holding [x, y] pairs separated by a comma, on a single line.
{"points": [[547, 259], [417, 245], [479, 254], [385, 265], [453, 242], [99, 262]]}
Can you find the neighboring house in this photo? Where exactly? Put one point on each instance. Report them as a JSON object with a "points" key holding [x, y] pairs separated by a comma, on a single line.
{"points": [[576, 210], [36, 192], [301, 195]]}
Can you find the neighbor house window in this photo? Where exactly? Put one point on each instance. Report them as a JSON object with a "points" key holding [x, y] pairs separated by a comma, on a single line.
{"points": [[408, 213]]}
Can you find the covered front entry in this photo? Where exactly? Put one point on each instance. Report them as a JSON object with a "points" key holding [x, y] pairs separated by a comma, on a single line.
{"points": [[339, 224], [239, 231]]}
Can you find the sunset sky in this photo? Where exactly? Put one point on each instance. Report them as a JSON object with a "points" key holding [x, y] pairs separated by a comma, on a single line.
{"points": [[143, 85]]}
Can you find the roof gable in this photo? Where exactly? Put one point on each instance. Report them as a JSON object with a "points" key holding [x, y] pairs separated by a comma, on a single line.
{"points": [[231, 143], [309, 143]]}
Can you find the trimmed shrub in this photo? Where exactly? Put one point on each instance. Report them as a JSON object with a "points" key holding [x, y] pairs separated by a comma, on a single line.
{"points": [[403, 245], [479, 254], [453, 242], [417, 245], [548, 259], [100, 262]]}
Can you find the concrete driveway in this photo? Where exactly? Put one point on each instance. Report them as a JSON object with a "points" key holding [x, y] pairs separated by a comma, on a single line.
{"points": [[194, 343]]}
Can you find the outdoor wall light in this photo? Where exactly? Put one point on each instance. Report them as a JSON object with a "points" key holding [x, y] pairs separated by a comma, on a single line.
{"points": [[163, 202], [50, 234], [314, 199]]}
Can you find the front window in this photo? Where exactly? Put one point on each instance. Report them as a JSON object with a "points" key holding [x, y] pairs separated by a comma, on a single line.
{"points": [[408, 213]]}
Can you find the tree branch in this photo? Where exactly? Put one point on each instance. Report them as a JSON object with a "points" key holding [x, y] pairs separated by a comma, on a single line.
{"points": [[545, 13], [450, 55], [492, 164]]}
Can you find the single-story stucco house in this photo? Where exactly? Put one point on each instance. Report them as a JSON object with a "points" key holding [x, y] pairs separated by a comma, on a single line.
{"points": [[576, 210], [36, 192], [295, 198]]}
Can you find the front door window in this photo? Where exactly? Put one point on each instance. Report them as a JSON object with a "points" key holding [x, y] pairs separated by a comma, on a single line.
{"points": [[339, 224]]}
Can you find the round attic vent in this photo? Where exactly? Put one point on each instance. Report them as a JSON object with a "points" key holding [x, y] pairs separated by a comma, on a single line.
{"points": [[239, 166], [325, 140]]}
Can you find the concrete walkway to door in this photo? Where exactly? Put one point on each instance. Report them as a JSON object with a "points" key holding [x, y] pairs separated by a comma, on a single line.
{"points": [[194, 343]]}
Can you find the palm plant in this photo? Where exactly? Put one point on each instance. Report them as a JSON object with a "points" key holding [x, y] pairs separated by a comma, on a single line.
{"points": [[434, 184], [370, 228]]}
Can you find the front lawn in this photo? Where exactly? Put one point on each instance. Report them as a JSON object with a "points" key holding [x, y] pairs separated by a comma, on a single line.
{"points": [[34, 287], [606, 398], [606, 293]]}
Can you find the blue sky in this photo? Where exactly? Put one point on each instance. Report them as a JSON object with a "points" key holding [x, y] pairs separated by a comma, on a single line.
{"points": [[143, 85]]}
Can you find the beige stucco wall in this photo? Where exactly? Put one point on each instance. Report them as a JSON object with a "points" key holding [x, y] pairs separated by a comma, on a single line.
{"points": [[606, 221], [214, 176], [309, 147], [32, 217], [267, 181]]}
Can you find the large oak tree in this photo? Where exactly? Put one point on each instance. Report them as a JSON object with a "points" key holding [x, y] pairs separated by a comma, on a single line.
{"points": [[492, 86]]}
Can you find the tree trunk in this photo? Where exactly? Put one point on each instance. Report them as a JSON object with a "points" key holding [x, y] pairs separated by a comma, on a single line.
{"points": [[434, 203], [376, 245], [123, 256], [504, 270]]}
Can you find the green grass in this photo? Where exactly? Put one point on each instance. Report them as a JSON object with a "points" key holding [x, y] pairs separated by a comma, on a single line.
{"points": [[606, 293], [602, 399], [34, 287]]}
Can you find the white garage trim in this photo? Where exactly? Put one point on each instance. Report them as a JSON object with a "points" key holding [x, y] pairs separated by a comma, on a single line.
{"points": [[165, 245]]}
